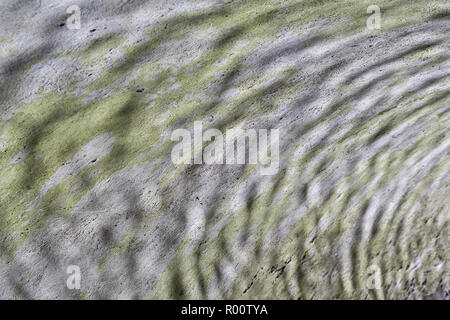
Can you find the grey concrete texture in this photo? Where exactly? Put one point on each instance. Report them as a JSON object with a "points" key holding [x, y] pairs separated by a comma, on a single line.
{"points": [[358, 208]]}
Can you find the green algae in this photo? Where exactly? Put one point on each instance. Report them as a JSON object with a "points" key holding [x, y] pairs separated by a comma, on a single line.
{"points": [[54, 127]]}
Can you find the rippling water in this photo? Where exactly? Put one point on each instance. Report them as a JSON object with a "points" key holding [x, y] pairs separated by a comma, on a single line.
{"points": [[358, 209]]}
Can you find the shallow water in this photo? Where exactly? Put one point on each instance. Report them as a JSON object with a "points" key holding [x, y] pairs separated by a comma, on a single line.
{"points": [[358, 207]]}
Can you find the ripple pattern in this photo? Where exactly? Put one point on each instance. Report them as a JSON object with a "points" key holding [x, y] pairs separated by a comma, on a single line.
{"points": [[359, 208]]}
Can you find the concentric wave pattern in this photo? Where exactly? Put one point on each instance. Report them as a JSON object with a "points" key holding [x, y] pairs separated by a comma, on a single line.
{"points": [[358, 209]]}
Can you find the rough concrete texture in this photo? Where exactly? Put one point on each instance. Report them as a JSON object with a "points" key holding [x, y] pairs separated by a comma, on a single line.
{"points": [[87, 179]]}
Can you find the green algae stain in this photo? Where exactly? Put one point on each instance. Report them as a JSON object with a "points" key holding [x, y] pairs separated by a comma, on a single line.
{"points": [[52, 128]]}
